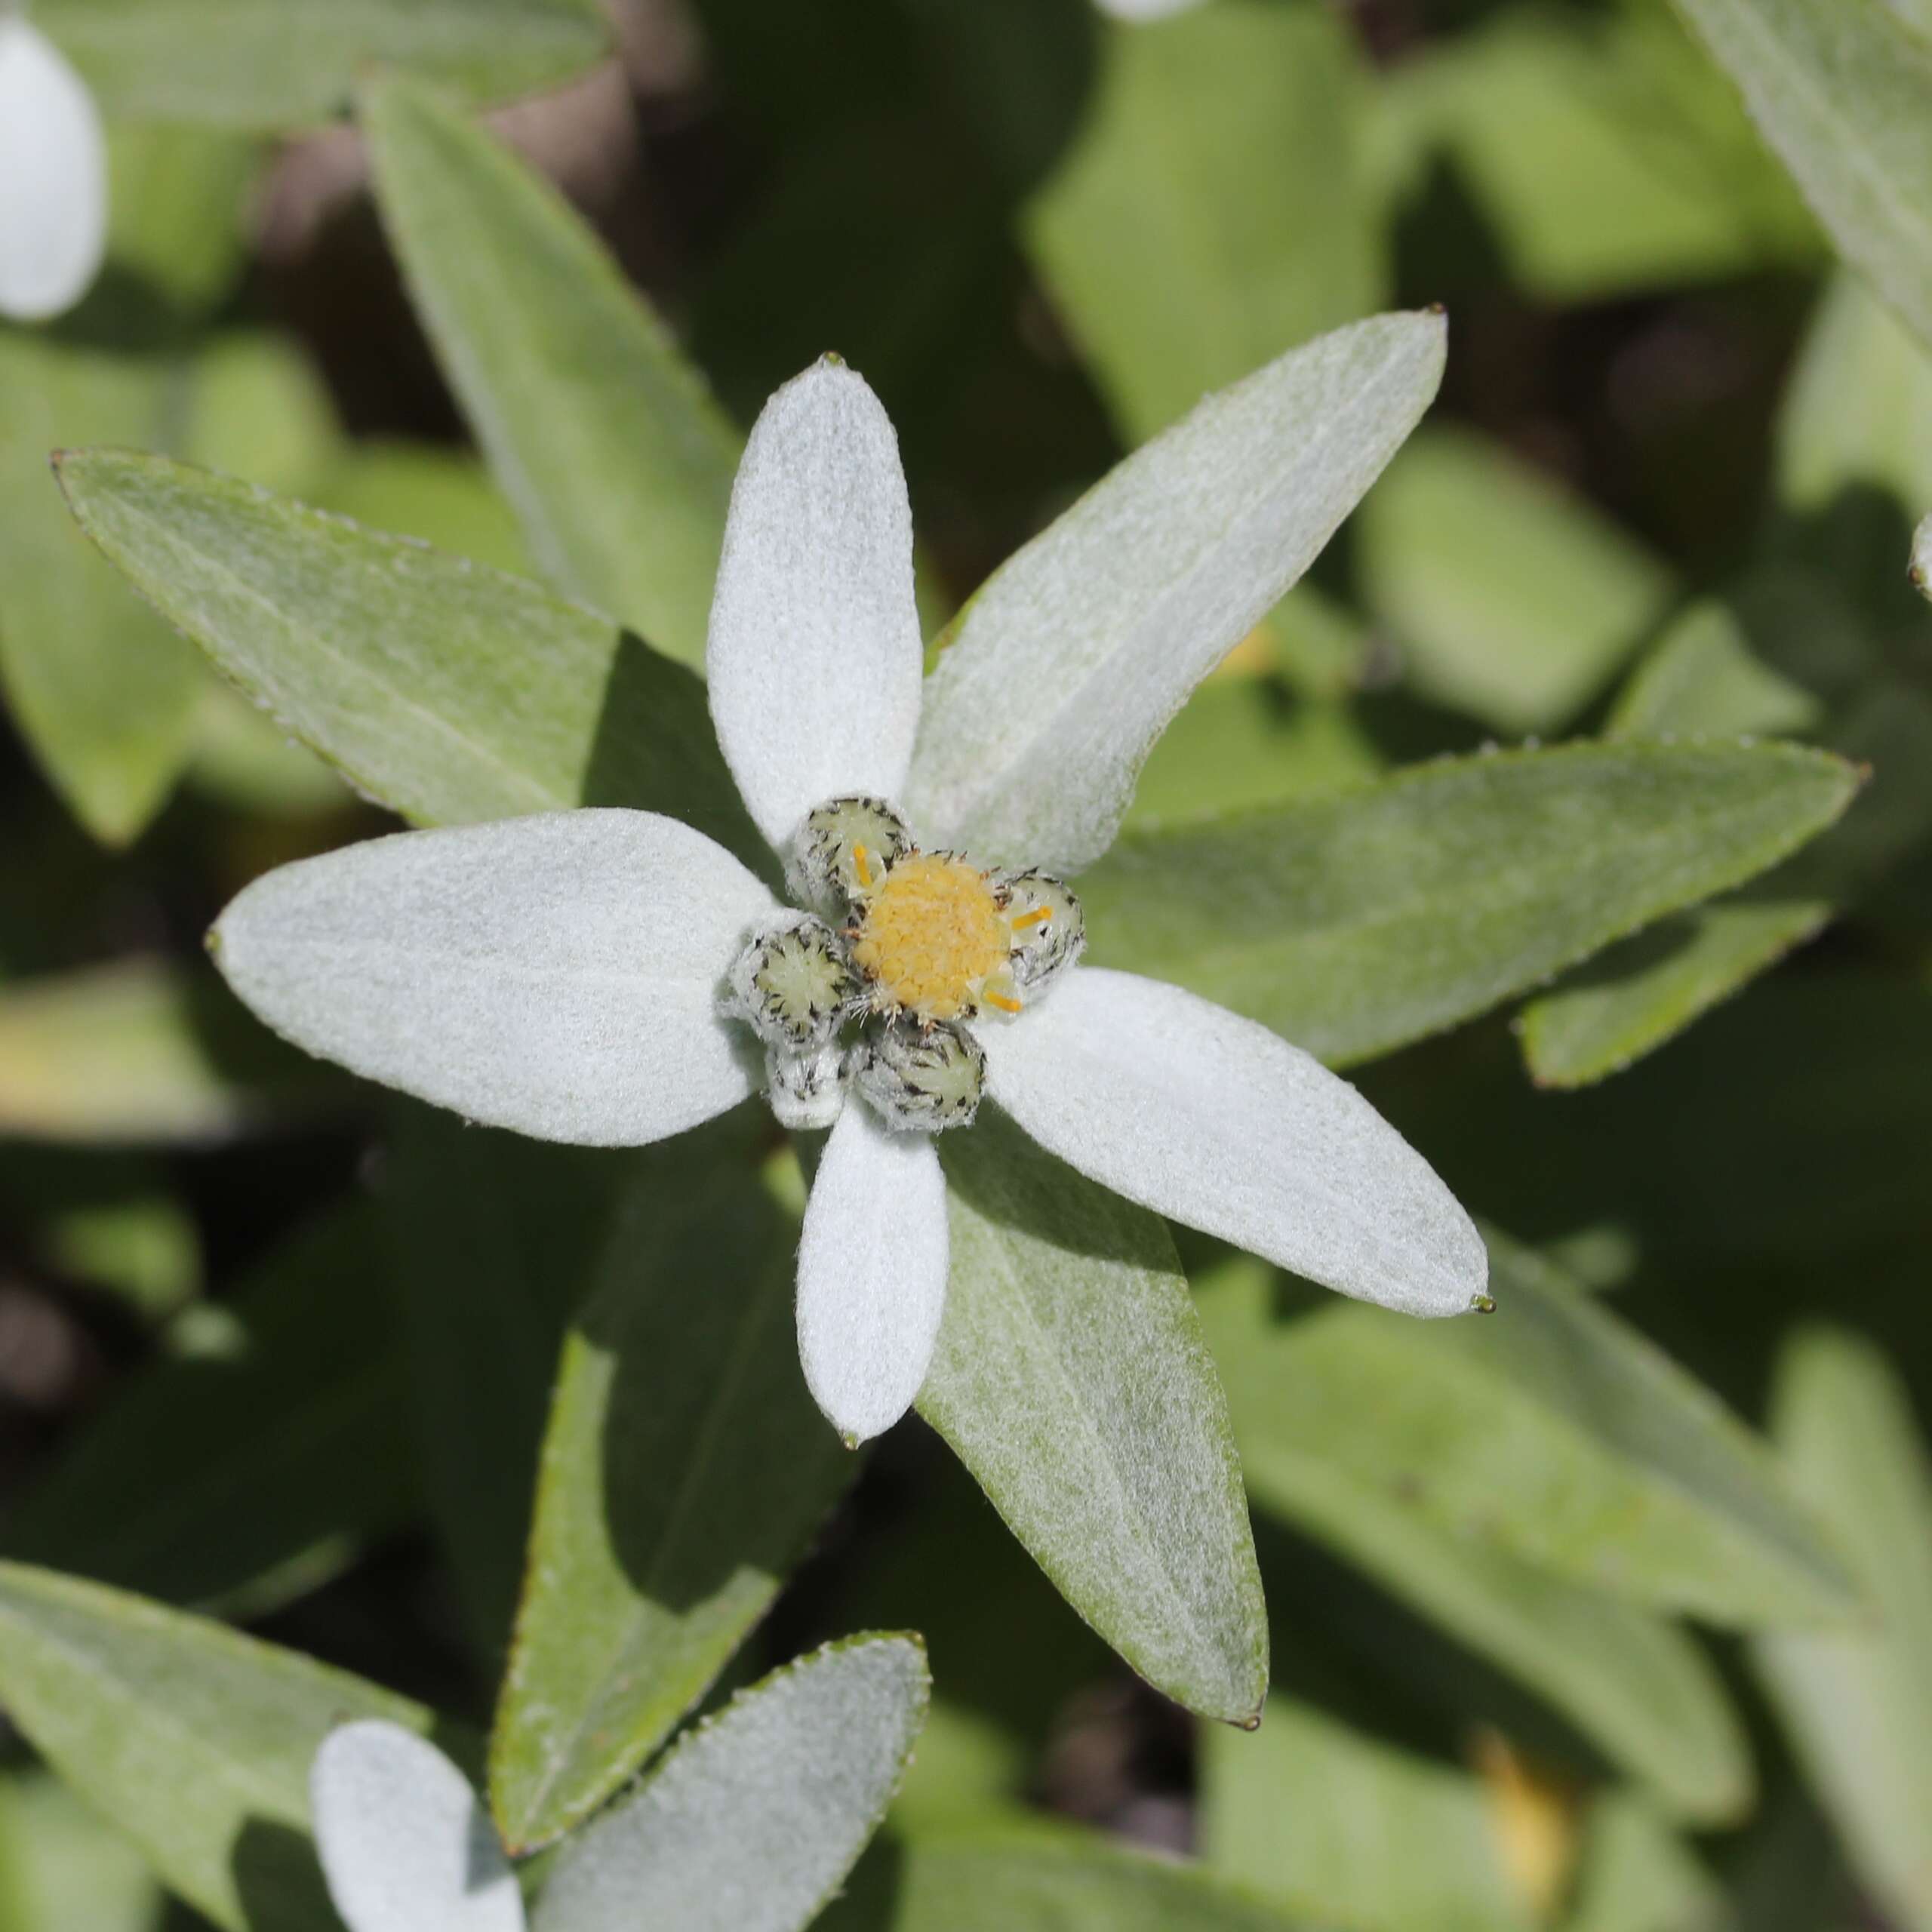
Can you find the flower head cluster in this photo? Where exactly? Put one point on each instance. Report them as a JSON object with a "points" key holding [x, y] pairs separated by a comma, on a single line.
{"points": [[878, 987], [609, 977], [53, 176]]}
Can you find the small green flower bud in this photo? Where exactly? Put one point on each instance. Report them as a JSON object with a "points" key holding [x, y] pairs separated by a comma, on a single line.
{"points": [[921, 1078], [843, 850], [793, 983], [1049, 929]]}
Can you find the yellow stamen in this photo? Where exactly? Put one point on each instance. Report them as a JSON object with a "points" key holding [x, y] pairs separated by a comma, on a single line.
{"points": [[1004, 1005], [929, 936], [1038, 916], [863, 867]]}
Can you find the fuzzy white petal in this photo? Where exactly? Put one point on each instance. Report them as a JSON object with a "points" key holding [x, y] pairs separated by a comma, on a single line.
{"points": [[404, 1844], [1073, 656], [1145, 10], [871, 1273], [1215, 1121], [558, 975], [814, 656], [52, 178], [1922, 557]]}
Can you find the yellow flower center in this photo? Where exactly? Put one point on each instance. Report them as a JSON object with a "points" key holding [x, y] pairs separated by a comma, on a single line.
{"points": [[930, 935]]}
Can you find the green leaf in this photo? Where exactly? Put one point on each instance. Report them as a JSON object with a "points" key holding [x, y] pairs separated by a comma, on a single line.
{"points": [[1066, 663], [1354, 923], [443, 496], [445, 689], [142, 1050], [1215, 207], [194, 1739], [105, 695], [1635, 1873], [1646, 991], [256, 1463], [1029, 1876], [62, 1865], [1638, 1688], [178, 215], [1511, 599], [272, 64], [1842, 90], [1705, 676], [495, 1240], [110, 1224], [258, 408], [1071, 1378], [1345, 1829], [1858, 1706], [1602, 154], [684, 1470], [1863, 387], [1702, 678], [1553, 1432], [756, 1816], [604, 437], [1244, 742]]}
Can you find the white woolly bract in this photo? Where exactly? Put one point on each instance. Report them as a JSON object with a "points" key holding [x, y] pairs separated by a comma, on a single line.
{"points": [[558, 975], [1071, 658], [871, 1273], [52, 178], [404, 1844], [1218, 1123], [814, 655]]}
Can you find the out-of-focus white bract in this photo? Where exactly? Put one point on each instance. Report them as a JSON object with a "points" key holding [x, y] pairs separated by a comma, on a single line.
{"points": [[1144, 10], [52, 178]]}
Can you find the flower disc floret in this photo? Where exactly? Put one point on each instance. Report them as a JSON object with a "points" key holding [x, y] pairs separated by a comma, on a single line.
{"points": [[922, 1078], [843, 850], [794, 985], [929, 939]]}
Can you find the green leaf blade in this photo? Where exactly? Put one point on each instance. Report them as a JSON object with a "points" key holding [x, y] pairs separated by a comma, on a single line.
{"points": [[1842, 90], [274, 64], [1354, 924], [1339, 1825], [1216, 206], [1071, 1380], [1551, 1431], [195, 1740], [752, 1821], [1025, 1876], [446, 690], [1512, 599], [684, 1470], [105, 695], [1858, 1706], [605, 439]]}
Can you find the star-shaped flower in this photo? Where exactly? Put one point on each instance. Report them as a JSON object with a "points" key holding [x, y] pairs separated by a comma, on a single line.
{"points": [[611, 977], [53, 176]]}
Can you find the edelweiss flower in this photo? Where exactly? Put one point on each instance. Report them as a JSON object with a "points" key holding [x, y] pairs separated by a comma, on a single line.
{"points": [[750, 1820], [52, 177], [609, 977]]}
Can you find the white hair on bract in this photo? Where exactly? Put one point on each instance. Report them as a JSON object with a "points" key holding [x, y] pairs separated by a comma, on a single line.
{"points": [[1144, 10], [53, 177]]}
